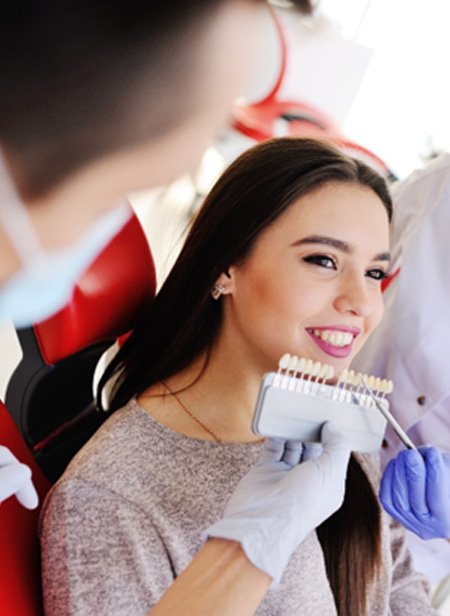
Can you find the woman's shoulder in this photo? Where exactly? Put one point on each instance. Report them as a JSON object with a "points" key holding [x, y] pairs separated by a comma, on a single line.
{"points": [[115, 444], [112, 465]]}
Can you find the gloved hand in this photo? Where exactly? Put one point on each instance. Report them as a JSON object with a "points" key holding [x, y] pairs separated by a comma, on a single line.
{"points": [[415, 491], [15, 478], [282, 499]]}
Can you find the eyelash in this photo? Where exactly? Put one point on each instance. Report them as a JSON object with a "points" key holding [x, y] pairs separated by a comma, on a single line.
{"points": [[320, 260], [381, 275]]}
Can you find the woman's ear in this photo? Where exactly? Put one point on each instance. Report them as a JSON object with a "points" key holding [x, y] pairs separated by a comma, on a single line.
{"points": [[223, 285]]}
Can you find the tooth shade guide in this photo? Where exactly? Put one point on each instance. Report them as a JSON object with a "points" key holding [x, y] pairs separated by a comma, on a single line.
{"points": [[326, 373], [351, 383], [292, 365], [296, 400], [308, 367], [284, 362], [339, 385], [296, 373], [358, 382], [303, 375], [301, 365], [316, 370], [350, 378]]}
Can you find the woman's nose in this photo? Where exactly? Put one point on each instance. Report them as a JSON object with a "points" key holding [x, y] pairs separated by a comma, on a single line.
{"points": [[353, 297]]}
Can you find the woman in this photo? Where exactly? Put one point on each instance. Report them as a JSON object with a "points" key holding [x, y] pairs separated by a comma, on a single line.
{"points": [[290, 245]]}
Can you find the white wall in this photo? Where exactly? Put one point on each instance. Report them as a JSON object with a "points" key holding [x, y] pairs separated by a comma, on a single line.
{"points": [[403, 103]]}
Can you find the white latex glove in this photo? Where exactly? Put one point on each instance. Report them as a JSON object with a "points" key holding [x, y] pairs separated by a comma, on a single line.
{"points": [[282, 499], [15, 479]]}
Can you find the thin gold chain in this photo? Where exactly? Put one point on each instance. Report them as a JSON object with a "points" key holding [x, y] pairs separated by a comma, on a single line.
{"points": [[190, 413]]}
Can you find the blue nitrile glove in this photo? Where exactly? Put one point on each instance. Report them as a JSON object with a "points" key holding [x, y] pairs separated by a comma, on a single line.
{"points": [[282, 499], [415, 491], [15, 479]]}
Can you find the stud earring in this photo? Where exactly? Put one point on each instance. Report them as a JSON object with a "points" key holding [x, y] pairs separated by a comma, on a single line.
{"points": [[217, 291]]}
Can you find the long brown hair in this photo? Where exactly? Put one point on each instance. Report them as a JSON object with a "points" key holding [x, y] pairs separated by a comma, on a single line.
{"points": [[183, 321]]}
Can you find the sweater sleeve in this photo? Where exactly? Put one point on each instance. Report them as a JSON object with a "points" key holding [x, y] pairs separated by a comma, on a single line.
{"points": [[101, 554], [409, 590]]}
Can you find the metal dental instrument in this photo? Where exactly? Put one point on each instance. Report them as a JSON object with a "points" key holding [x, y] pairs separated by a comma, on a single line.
{"points": [[390, 418]]}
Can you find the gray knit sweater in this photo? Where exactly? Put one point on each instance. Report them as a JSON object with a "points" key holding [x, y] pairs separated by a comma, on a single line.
{"points": [[130, 512]]}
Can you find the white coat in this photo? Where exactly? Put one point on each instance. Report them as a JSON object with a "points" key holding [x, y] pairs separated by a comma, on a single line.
{"points": [[412, 344]]}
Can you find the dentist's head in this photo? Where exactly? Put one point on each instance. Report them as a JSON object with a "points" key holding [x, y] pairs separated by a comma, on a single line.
{"points": [[97, 101]]}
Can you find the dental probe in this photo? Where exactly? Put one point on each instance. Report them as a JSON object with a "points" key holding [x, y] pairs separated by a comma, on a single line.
{"points": [[390, 418]]}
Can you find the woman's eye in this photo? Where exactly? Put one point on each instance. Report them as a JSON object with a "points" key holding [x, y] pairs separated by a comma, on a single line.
{"points": [[376, 274], [321, 260]]}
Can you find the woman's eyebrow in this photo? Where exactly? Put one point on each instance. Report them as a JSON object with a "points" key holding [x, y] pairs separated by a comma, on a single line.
{"points": [[338, 244]]}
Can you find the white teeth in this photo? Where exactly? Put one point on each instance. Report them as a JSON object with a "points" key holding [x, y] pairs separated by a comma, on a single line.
{"points": [[322, 334], [335, 338]]}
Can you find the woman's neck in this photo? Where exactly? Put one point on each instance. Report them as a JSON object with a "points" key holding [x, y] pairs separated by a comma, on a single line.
{"points": [[220, 395]]}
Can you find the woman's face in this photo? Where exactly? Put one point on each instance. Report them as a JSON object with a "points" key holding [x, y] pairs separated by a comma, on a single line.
{"points": [[311, 285]]}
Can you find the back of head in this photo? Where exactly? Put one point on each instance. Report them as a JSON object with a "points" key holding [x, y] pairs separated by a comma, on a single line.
{"points": [[77, 77], [83, 79]]}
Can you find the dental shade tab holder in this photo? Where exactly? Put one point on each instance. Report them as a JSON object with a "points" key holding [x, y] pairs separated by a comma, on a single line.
{"points": [[390, 418], [295, 402]]}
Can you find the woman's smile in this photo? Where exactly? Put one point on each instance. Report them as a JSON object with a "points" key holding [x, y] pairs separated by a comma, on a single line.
{"points": [[334, 340], [311, 286]]}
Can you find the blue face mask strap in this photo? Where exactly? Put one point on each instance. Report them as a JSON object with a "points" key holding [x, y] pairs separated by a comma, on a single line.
{"points": [[14, 218]]}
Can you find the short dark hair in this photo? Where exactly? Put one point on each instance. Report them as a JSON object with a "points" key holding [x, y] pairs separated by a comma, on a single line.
{"points": [[76, 75]]}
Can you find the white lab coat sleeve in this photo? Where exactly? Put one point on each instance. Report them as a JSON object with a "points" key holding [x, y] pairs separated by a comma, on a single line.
{"points": [[411, 344]]}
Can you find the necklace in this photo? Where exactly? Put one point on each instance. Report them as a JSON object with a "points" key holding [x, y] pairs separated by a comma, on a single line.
{"points": [[190, 413]]}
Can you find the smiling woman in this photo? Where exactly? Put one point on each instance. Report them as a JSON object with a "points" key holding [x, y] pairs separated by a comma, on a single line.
{"points": [[286, 255], [327, 280]]}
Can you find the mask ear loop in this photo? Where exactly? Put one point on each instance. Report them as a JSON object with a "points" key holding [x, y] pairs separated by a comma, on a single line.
{"points": [[15, 219]]}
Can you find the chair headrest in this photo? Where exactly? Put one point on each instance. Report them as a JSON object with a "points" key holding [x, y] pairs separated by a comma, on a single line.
{"points": [[106, 300]]}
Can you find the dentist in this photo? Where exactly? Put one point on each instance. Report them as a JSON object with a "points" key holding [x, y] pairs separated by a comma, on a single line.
{"points": [[411, 347], [97, 102]]}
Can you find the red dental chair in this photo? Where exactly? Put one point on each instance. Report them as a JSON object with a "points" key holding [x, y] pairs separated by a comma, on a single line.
{"points": [[49, 411], [19, 549]]}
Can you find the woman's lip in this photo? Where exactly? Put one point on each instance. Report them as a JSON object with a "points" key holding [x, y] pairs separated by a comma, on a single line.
{"points": [[326, 347], [339, 328]]}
